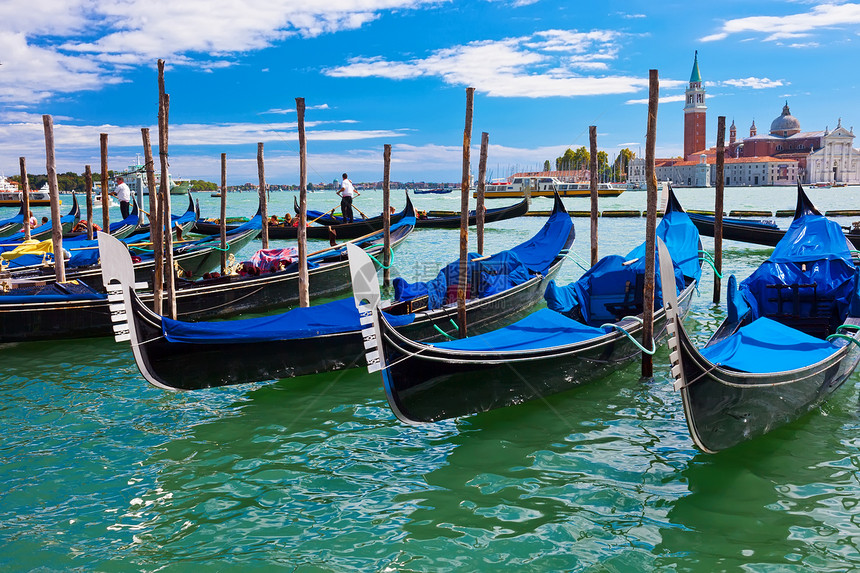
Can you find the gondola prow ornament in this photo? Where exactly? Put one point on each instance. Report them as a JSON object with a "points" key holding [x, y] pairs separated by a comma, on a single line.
{"points": [[365, 287]]}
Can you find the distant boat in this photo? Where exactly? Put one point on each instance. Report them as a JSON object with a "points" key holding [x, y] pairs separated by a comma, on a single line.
{"points": [[11, 196], [435, 190], [548, 186]]}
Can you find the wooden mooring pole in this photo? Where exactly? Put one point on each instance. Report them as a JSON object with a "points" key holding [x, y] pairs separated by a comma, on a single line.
{"points": [[464, 216], [261, 173], [25, 196], [104, 183], [304, 286], [650, 225], [592, 166], [223, 219], [156, 224], [718, 206], [56, 223], [480, 208], [386, 215], [167, 225], [88, 184]]}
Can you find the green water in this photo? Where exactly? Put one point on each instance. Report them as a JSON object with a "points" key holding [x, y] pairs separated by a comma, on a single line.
{"points": [[103, 472]]}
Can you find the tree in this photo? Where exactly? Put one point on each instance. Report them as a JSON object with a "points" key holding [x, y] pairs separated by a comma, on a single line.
{"points": [[546, 165], [573, 159], [622, 163]]}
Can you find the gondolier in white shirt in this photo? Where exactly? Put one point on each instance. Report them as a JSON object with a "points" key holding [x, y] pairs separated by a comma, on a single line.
{"points": [[123, 195], [347, 192]]}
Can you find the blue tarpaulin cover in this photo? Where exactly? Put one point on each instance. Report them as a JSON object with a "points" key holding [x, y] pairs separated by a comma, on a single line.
{"points": [[542, 329], [498, 272], [766, 346], [606, 282], [329, 318], [815, 251]]}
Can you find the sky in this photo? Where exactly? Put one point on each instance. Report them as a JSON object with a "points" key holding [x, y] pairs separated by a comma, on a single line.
{"points": [[376, 72]]}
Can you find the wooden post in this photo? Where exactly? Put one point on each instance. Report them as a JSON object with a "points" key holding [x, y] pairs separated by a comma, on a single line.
{"points": [[464, 216], [88, 183], [163, 122], [304, 295], [156, 222], [104, 182], [386, 215], [479, 206], [25, 195], [592, 136], [650, 224], [223, 218], [56, 224], [718, 206], [261, 173]]}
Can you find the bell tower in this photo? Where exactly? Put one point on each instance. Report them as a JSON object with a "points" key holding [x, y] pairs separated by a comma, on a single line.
{"points": [[695, 112]]}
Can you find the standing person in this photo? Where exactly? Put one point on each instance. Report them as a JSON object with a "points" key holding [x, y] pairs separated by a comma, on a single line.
{"points": [[123, 195], [347, 192]]}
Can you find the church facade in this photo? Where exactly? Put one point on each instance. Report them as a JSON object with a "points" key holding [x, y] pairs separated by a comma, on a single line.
{"points": [[784, 155]]}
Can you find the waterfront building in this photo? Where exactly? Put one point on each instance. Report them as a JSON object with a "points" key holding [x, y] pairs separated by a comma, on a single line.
{"points": [[783, 156]]}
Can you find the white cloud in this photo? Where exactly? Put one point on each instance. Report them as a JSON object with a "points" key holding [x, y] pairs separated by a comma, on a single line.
{"points": [[533, 66], [831, 15], [21, 134], [281, 111], [754, 83], [664, 99], [78, 45]]}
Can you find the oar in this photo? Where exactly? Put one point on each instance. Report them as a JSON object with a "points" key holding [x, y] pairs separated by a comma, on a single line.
{"points": [[343, 244], [360, 211], [323, 215]]}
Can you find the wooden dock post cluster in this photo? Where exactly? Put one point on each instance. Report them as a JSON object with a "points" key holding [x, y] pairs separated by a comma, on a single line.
{"points": [[650, 224], [164, 192], [261, 190]]}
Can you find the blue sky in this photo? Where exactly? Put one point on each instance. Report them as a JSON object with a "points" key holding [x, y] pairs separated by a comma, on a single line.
{"points": [[395, 71]]}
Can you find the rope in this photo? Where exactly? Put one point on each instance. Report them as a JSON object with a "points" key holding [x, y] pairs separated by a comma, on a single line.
{"points": [[843, 337], [847, 327], [443, 333], [378, 262], [630, 336], [573, 257], [226, 250], [710, 260]]}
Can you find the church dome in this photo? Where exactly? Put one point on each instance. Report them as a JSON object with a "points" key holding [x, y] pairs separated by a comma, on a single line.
{"points": [[786, 124]]}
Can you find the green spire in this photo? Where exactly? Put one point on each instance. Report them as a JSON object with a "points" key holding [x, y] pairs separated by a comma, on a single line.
{"points": [[696, 76]]}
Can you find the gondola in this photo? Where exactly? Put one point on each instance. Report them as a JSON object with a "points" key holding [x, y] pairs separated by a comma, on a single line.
{"points": [[76, 310], [186, 356], [182, 224], [120, 229], [42, 232], [342, 231], [13, 224], [588, 330], [193, 258], [789, 341], [490, 216], [755, 232]]}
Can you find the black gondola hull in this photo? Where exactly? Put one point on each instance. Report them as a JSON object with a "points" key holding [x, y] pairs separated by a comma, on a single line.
{"points": [[428, 384], [725, 407], [492, 215]]}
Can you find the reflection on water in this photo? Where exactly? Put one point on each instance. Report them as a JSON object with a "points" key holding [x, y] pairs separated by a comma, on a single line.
{"points": [[103, 472]]}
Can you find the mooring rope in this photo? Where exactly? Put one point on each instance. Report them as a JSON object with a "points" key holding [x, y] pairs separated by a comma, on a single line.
{"points": [[630, 336]]}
